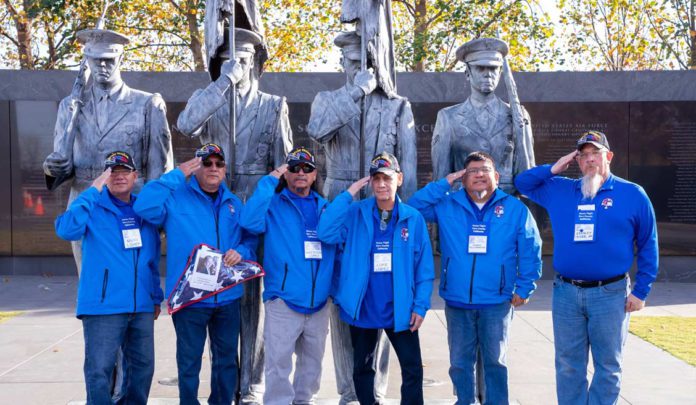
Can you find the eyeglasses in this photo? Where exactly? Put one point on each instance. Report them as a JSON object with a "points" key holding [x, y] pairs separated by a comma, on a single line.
{"points": [[477, 170], [304, 168], [218, 164], [585, 155]]}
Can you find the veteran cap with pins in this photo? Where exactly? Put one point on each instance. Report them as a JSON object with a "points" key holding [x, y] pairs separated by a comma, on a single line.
{"points": [[102, 43], [483, 52]]}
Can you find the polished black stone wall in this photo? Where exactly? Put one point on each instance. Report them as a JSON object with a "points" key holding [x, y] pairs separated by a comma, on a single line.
{"points": [[650, 118]]}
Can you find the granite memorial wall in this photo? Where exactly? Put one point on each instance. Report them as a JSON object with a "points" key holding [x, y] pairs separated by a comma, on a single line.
{"points": [[649, 117]]}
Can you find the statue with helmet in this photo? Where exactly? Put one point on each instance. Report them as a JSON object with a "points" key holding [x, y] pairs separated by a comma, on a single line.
{"points": [[483, 122]]}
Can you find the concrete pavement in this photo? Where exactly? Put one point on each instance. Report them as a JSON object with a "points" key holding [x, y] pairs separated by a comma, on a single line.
{"points": [[41, 351]]}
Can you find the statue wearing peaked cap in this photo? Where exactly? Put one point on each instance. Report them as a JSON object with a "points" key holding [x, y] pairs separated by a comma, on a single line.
{"points": [[110, 116], [335, 124], [263, 136], [483, 122]]}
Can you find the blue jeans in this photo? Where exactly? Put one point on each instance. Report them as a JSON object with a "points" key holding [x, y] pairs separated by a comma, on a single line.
{"points": [[487, 329], [589, 319], [104, 335], [407, 347], [192, 325]]}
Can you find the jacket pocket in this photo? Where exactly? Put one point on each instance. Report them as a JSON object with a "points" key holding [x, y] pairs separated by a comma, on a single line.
{"points": [[502, 279], [105, 283], [285, 276], [444, 274]]}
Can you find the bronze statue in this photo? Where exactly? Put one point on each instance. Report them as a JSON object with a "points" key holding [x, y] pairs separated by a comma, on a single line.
{"points": [[483, 122], [103, 116]]}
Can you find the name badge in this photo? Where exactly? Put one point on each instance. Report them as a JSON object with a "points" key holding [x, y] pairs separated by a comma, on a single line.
{"points": [[383, 262], [478, 239], [585, 222], [130, 229], [312, 245]]}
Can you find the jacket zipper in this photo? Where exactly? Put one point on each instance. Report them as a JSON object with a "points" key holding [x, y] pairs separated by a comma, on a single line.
{"points": [[285, 276], [104, 284], [502, 279], [217, 237], [471, 284], [136, 256], [444, 276], [314, 283]]}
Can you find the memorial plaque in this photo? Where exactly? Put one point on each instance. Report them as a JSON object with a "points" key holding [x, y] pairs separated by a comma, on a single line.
{"points": [[663, 161], [5, 181]]}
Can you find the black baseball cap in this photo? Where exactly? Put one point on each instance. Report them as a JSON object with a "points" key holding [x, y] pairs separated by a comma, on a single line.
{"points": [[595, 138], [299, 156], [384, 162], [209, 149], [119, 158]]}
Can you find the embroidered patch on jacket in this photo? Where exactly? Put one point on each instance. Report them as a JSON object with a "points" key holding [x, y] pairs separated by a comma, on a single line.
{"points": [[499, 211], [607, 202], [404, 234], [231, 207]]}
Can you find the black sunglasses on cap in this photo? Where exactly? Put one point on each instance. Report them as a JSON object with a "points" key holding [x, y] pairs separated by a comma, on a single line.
{"points": [[304, 168]]}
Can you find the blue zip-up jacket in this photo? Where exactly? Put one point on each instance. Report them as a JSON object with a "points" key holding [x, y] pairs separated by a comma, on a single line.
{"points": [[114, 280], [625, 221], [350, 223], [299, 281], [188, 216], [512, 263]]}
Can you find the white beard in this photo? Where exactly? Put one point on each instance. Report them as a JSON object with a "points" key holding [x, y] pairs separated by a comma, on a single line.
{"points": [[590, 185]]}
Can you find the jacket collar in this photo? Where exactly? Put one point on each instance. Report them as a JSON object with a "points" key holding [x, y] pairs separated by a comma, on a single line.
{"points": [[105, 201], [462, 199], [367, 206], [226, 193]]}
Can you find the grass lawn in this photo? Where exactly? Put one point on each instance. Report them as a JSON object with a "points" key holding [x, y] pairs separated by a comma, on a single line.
{"points": [[7, 315], [676, 335]]}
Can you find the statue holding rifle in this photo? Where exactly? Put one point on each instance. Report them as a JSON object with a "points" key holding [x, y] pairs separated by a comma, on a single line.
{"points": [[483, 122], [103, 114], [253, 129]]}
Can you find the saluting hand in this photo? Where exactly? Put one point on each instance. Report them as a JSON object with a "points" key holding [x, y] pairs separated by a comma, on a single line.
{"points": [[452, 177], [358, 185], [279, 171], [190, 166], [564, 162], [99, 182]]}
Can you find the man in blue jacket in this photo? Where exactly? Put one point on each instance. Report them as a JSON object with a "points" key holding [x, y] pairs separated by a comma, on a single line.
{"points": [[491, 258], [598, 222], [286, 208], [193, 210], [386, 275], [119, 290]]}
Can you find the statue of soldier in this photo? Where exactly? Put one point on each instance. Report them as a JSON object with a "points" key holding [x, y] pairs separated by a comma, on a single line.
{"points": [[335, 124], [484, 122], [263, 139], [111, 116]]}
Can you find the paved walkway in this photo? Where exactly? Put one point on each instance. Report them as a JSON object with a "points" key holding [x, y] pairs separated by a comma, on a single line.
{"points": [[41, 351]]}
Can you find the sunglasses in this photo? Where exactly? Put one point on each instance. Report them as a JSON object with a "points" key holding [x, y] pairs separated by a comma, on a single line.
{"points": [[304, 168], [218, 164]]}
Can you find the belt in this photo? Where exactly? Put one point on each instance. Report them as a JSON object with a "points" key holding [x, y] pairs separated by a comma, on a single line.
{"points": [[592, 284]]}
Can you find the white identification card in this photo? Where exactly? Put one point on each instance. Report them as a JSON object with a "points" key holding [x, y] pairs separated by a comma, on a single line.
{"points": [[312, 249], [478, 243], [131, 238], [585, 223], [383, 262]]}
